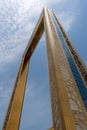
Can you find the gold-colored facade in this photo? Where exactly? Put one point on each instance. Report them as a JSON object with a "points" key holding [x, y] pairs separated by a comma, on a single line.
{"points": [[51, 128], [67, 78]]}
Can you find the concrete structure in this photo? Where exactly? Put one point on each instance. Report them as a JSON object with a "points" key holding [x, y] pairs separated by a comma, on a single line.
{"points": [[67, 77]]}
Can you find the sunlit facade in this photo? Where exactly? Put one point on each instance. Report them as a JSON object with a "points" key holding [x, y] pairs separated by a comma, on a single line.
{"points": [[51, 128], [67, 78]]}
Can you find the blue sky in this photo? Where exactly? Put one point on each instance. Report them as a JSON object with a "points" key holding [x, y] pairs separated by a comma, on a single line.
{"points": [[17, 21]]}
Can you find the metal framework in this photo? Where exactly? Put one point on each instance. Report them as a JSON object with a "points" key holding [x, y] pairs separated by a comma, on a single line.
{"points": [[67, 77]]}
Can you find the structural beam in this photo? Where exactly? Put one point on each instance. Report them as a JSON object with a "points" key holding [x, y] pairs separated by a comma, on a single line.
{"points": [[13, 115], [59, 98]]}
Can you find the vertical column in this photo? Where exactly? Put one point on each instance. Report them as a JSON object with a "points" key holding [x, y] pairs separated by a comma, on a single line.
{"points": [[76, 57], [12, 119], [61, 111], [13, 115], [74, 85]]}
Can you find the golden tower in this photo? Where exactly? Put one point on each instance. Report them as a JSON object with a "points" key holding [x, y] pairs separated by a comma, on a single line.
{"points": [[67, 77]]}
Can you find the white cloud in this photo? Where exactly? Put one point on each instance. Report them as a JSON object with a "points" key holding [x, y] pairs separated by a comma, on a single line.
{"points": [[67, 20], [18, 19]]}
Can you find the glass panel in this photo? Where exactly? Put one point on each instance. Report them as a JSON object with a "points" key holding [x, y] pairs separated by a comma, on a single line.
{"points": [[73, 67]]}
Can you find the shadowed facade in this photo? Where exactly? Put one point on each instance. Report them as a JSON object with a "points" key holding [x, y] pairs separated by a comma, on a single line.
{"points": [[67, 78]]}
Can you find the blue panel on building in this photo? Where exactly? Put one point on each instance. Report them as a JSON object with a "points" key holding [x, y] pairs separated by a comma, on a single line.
{"points": [[75, 72]]}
